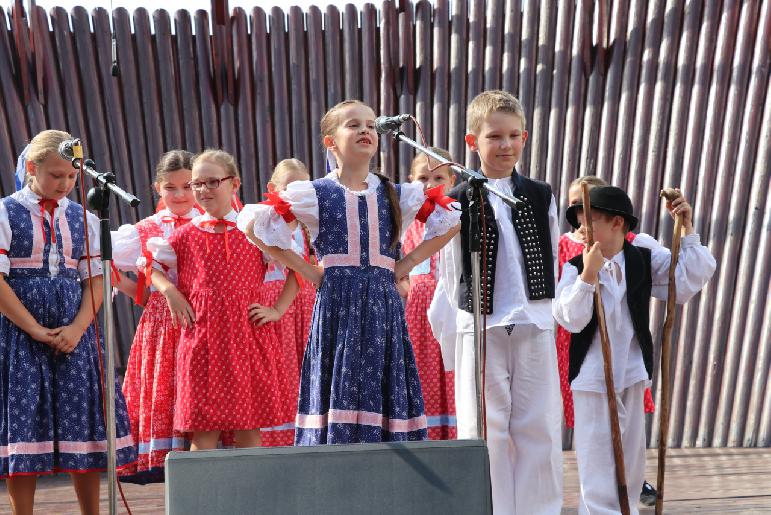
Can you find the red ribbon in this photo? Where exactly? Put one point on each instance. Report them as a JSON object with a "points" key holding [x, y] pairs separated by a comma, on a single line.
{"points": [[225, 224], [115, 272], [3, 252], [434, 196], [281, 206], [144, 277], [47, 205], [178, 221]]}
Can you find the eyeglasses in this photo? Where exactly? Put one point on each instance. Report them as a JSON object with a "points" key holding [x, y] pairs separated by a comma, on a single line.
{"points": [[210, 184]]}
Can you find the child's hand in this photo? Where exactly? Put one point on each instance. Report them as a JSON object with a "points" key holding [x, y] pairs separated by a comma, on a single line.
{"points": [[403, 268], [67, 338], [680, 206], [593, 261], [262, 315], [182, 313], [43, 335], [403, 287]]}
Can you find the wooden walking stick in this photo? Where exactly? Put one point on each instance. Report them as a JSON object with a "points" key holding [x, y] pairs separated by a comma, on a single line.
{"points": [[666, 346], [615, 430]]}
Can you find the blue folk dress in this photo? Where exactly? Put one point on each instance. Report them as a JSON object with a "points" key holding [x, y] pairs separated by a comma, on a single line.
{"points": [[359, 382], [51, 403]]}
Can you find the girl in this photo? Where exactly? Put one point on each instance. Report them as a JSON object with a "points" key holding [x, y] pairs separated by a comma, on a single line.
{"points": [[51, 417], [294, 324], [570, 246], [438, 385], [228, 369], [359, 382], [149, 383]]}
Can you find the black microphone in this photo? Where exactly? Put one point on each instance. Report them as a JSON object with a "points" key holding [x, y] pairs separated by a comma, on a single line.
{"points": [[66, 148], [384, 124]]}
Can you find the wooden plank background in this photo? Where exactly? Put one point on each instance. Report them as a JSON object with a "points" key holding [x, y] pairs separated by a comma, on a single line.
{"points": [[643, 93]]}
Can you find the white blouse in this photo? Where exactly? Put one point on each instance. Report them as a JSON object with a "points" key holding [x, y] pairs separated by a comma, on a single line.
{"points": [[127, 245], [30, 200], [271, 228]]}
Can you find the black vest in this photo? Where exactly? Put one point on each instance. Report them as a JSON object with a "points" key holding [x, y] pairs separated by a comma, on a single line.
{"points": [[532, 228], [637, 265]]}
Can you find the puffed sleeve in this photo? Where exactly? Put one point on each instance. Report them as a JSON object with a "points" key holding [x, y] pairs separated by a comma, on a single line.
{"points": [[126, 248], [5, 240], [574, 300], [270, 225], [695, 266], [95, 249], [164, 256], [442, 312], [413, 198]]}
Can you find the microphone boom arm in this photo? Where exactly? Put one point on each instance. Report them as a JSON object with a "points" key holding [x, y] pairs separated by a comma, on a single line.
{"points": [[474, 177]]}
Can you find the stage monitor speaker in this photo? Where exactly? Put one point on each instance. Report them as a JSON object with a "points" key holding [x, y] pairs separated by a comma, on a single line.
{"points": [[444, 477]]}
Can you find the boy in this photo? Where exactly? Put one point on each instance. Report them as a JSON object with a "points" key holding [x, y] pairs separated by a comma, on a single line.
{"points": [[629, 274], [521, 381]]}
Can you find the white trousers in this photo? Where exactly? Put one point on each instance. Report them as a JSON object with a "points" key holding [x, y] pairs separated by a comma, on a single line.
{"points": [[594, 448], [524, 415]]}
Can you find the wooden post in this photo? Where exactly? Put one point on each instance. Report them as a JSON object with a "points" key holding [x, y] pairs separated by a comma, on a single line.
{"points": [[615, 430]]}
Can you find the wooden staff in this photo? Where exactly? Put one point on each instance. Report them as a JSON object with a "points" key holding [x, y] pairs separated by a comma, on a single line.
{"points": [[615, 430], [666, 346]]}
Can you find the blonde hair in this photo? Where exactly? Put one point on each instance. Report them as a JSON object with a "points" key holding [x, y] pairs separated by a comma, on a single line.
{"points": [[422, 158], [331, 119], [172, 161], [220, 158], [493, 101], [328, 124], [592, 180], [285, 167], [44, 144]]}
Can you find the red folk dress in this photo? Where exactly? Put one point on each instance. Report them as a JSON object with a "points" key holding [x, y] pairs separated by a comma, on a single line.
{"points": [[149, 385], [438, 385], [229, 371]]}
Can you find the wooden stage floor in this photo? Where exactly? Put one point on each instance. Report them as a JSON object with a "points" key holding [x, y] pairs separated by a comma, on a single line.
{"points": [[698, 481]]}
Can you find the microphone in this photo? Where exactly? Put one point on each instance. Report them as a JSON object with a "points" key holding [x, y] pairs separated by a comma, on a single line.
{"points": [[384, 124], [70, 149]]}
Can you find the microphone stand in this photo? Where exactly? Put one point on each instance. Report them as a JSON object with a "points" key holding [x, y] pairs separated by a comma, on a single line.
{"points": [[478, 182], [99, 200]]}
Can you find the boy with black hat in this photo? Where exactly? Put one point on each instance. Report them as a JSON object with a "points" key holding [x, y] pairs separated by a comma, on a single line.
{"points": [[629, 275]]}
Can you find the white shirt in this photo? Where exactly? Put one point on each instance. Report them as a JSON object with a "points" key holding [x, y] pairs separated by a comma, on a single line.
{"points": [[30, 200], [511, 304], [574, 306]]}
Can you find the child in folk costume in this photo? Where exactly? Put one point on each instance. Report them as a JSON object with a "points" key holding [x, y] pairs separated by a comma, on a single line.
{"points": [[438, 385], [51, 417], [228, 369], [291, 322], [629, 275], [359, 382], [301, 310], [518, 277], [570, 246], [150, 373]]}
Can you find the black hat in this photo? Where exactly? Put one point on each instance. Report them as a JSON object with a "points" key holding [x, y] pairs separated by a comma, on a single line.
{"points": [[607, 199]]}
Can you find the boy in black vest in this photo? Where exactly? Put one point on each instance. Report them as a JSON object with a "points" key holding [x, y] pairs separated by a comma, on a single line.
{"points": [[518, 280], [629, 275]]}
